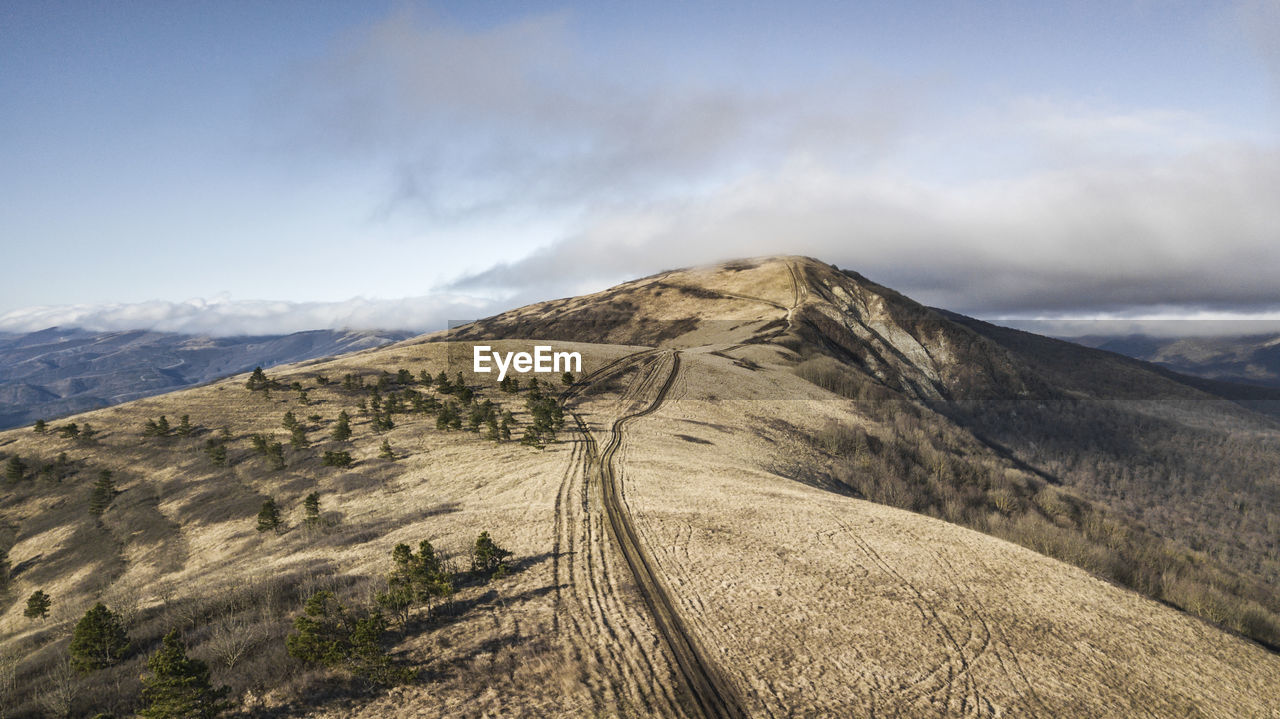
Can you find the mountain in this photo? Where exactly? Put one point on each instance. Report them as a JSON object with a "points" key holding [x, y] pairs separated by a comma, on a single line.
{"points": [[1247, 359], [774, 488], [55, 372]]}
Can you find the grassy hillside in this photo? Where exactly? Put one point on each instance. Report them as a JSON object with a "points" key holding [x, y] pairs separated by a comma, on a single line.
{"points": [[736, 456]]}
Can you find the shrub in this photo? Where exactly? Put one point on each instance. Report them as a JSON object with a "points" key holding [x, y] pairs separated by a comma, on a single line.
{"points": [[340, 458]]}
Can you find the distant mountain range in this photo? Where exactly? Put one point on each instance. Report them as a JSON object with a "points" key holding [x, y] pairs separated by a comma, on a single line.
{"points": [[56, 372], [1252, 359]]}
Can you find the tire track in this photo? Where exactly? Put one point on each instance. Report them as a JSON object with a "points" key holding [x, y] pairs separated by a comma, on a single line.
{"points": [[709, 694], [603, 633], [957, 663]]}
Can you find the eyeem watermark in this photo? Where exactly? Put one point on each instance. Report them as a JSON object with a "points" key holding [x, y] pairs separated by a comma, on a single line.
{"points": [[542, 360]]}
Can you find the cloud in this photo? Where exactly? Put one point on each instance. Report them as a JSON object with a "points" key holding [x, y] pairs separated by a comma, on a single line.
{"points": [[1260, 20], [1034, 204], [226, 317], [1171, 214], [465, 122]]}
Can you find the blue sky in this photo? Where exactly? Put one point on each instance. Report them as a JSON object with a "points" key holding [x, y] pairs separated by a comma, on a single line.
{"points": [[216, 166]]}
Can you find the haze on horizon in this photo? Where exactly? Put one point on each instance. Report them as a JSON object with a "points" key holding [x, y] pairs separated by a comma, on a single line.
{"points": [[242, 166]]}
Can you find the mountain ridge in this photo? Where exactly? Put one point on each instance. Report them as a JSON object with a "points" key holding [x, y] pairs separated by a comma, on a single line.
{"points": [[808, 464]]}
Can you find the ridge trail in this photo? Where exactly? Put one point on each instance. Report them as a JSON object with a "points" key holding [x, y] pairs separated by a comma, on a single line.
{"points": [[710, 694]]}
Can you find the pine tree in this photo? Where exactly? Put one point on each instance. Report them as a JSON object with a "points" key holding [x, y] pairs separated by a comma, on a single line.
{"points": [[260, 442], [178, 686], [184, 426], [275, 455], [289, 421], [531, 437], [269, 516], [567, 379], [99, 640], [342, 429], [87, 434], [414, 578], [40, 427], [311, 509], [487, 557], [217, 452], [404, 376], [424, 378], [258, 380], [37, 605], [385, 452], [15, 468], [70, 430], [317, 636], [104, 490], [298, 437], [162, 426], [326, 634]]}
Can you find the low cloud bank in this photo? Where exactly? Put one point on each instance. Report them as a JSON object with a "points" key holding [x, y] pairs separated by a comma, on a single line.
{"points": [[227, 317]]}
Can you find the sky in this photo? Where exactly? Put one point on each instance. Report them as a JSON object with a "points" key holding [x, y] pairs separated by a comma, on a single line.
{"points": [[234, 167]]}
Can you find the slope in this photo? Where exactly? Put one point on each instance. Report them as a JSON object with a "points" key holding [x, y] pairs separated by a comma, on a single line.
{"points": [[734, 477]]}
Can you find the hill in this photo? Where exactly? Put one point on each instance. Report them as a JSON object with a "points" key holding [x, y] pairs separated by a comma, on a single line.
{"points": [[1244, 359], [776, 488], [56, 372]]}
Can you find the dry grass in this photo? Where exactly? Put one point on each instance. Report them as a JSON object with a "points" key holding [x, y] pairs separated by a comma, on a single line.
{"points": [[811, 602]]}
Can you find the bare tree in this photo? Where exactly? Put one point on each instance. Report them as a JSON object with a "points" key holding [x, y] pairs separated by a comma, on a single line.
{"points": [[232, 638], [9, 660], [61, 685]]}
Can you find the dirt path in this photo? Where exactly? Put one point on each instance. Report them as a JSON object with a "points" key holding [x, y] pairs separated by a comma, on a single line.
{"points": [[702, 691]]}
